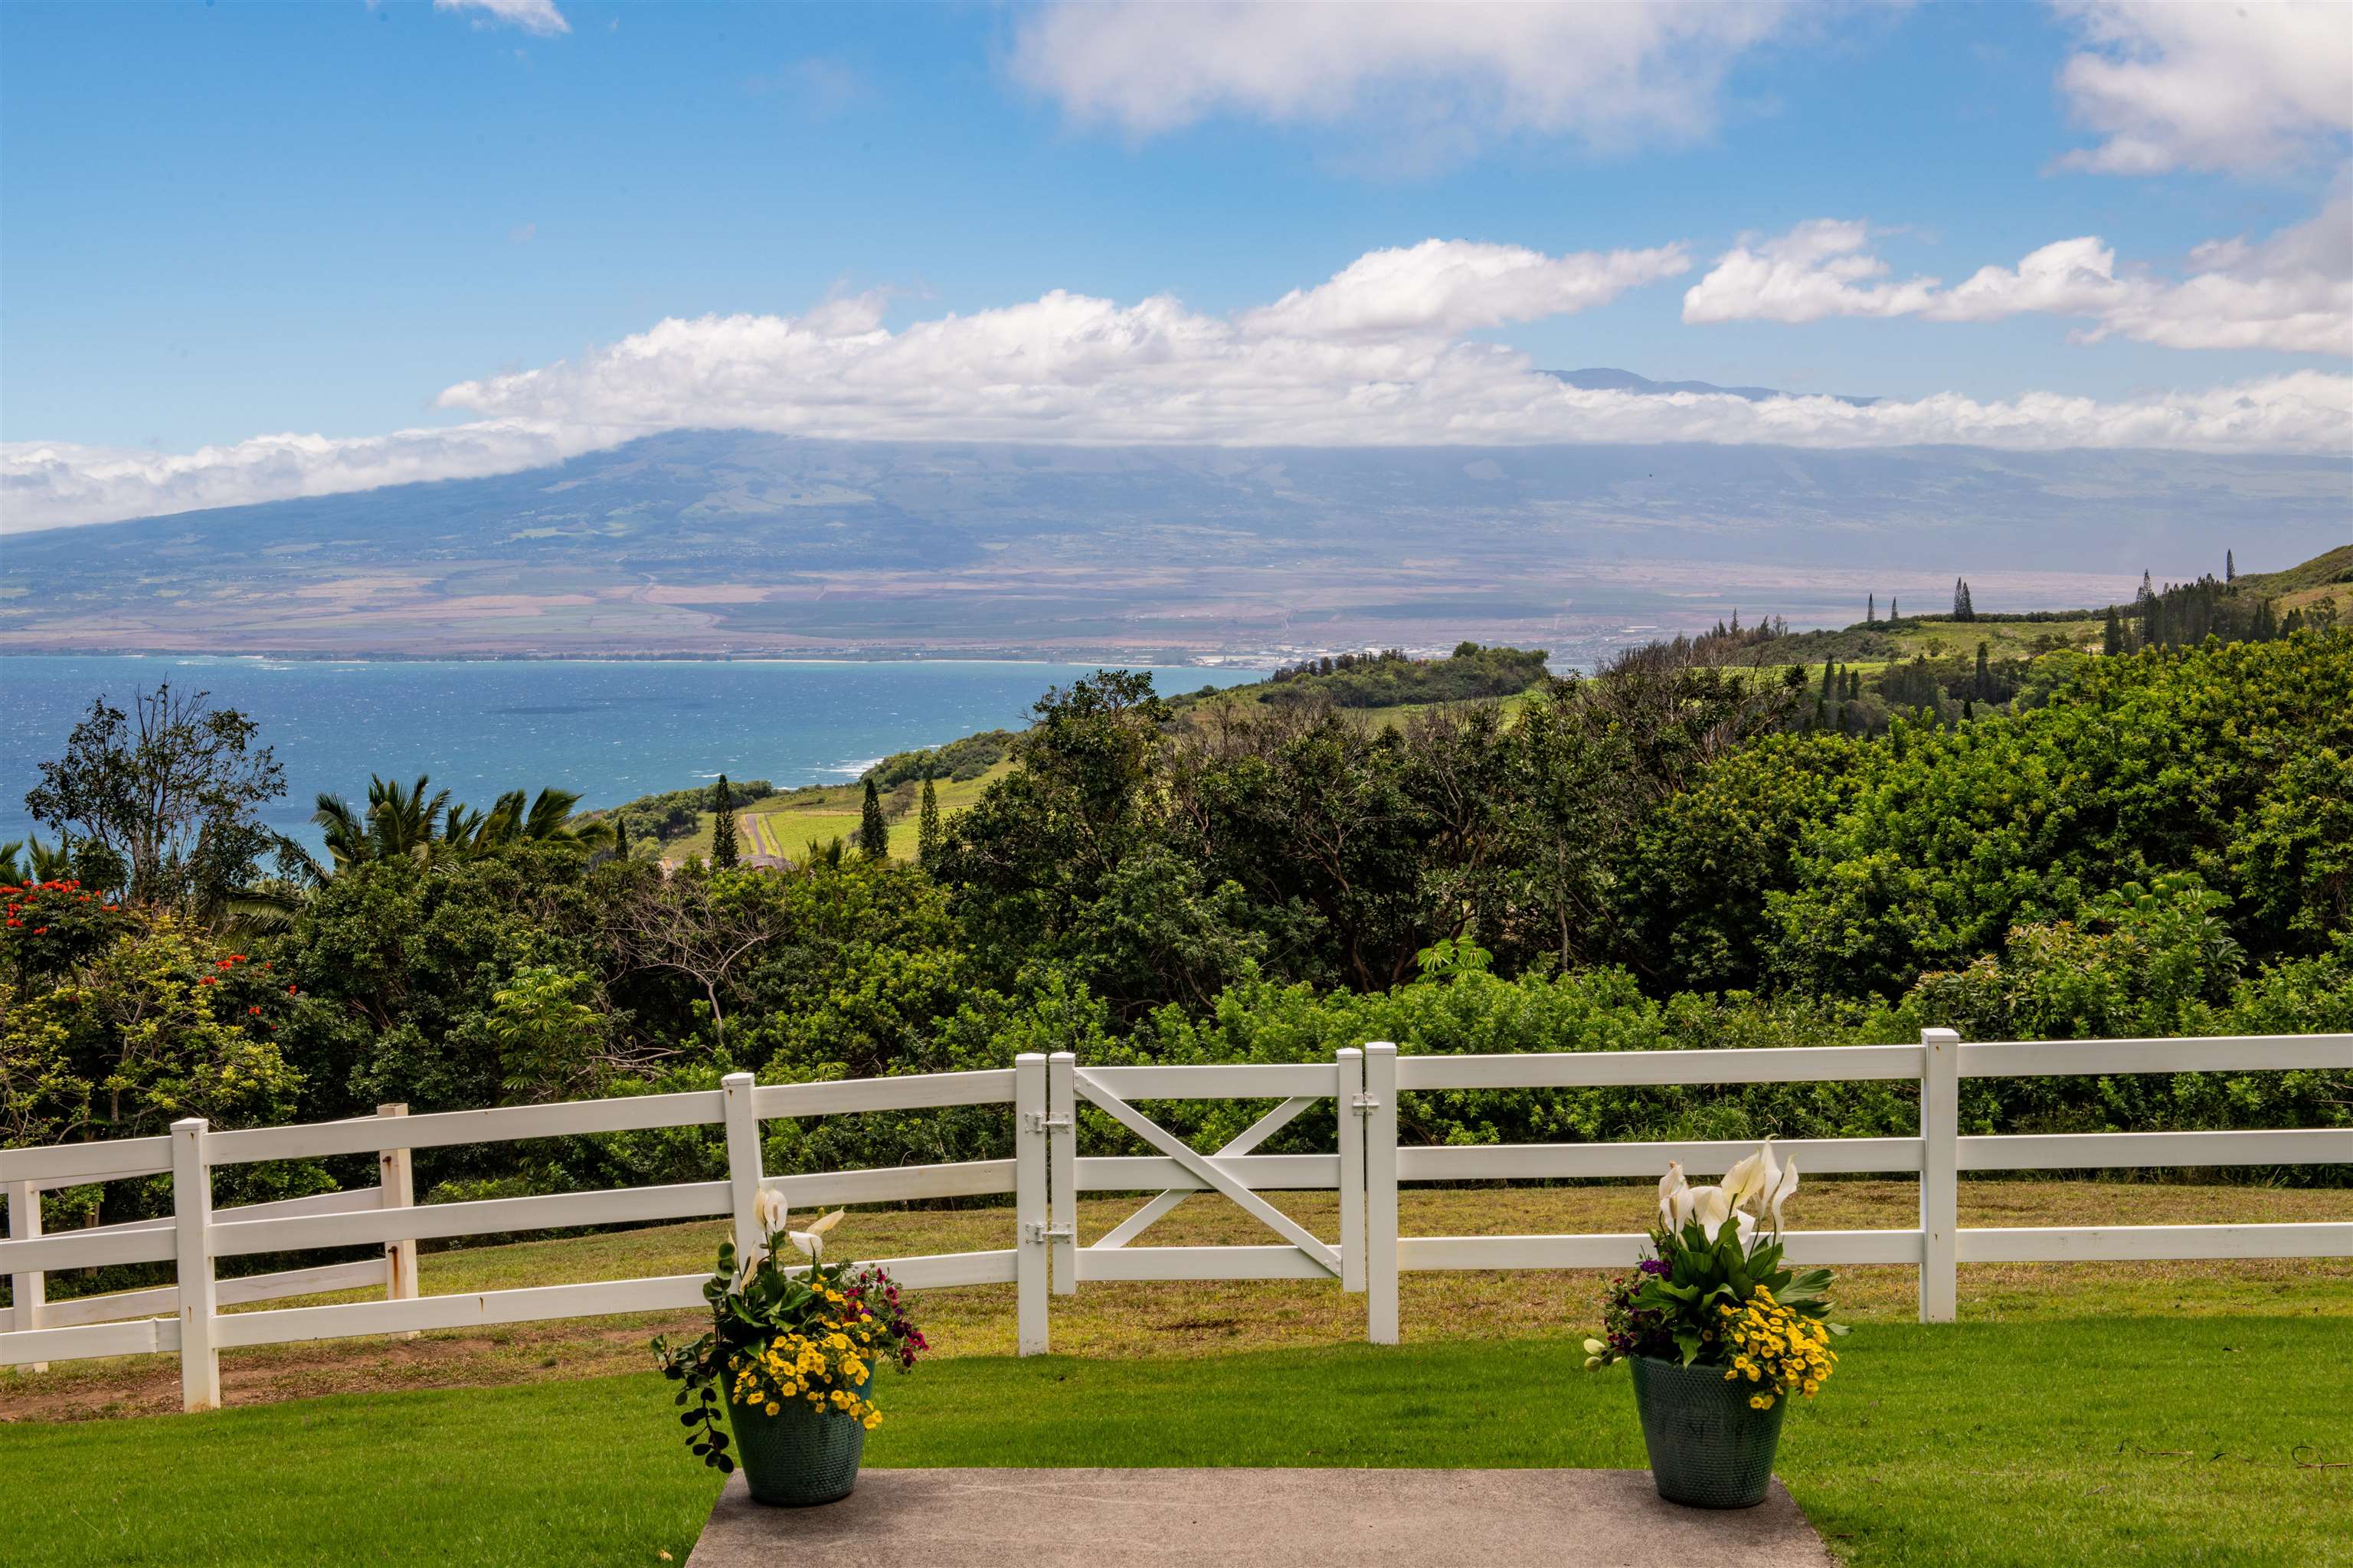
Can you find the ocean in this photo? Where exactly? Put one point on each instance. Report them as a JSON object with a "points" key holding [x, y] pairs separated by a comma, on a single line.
{"points": [[611, 729]]}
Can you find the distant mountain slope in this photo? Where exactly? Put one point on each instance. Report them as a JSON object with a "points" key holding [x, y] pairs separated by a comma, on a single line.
{"points": [[2327, 569], [734, 542], [1600, 380]]}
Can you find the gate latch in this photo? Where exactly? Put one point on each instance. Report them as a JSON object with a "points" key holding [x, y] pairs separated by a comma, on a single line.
{"points": [[1039, 1121], [1035, 1232], [1365, 1104]]}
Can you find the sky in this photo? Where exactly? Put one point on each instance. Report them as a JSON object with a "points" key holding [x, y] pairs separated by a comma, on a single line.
{"points": [[257, 250]]}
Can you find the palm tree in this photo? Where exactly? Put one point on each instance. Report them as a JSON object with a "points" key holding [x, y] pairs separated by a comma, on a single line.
{"points": [[407, 823], [402, 823], [546, 819], [345, 831], [42, 863]]}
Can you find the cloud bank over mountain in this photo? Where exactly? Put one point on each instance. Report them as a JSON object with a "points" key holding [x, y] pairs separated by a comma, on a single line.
{"points": [[1376, 355]]}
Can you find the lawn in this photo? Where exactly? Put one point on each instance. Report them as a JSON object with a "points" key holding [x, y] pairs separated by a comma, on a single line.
{"points": [[2126, 1439]]}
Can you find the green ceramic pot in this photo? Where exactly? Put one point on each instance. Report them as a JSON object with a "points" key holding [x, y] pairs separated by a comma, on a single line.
{"points": [[798, 1457], [1708, 1448]]}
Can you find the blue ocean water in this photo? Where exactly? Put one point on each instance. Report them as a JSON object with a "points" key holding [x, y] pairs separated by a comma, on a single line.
{"points": [[613, 730]]}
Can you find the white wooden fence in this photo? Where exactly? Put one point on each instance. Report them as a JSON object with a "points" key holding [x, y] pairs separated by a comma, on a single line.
{"points": [[1046, 1177]]}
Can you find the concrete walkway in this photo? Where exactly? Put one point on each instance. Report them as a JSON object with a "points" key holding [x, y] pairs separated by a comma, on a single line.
{"points": [[1245, 1518]]}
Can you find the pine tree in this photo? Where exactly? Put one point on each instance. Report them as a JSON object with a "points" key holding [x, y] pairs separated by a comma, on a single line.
{"points": [[1830, 677], [1960, 599], [927, 826], [2229, 567], [1894, 614], [2111, 636], [620, 836], [1985, 674], [1871, 611], [873, 832], [724, 852]]}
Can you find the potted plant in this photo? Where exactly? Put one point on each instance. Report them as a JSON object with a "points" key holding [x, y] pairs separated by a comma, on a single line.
{"points": [[1720, 1335], [791, 1353]]}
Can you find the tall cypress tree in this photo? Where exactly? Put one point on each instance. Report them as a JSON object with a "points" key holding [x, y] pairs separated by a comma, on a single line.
{"points": [[1985, 675], [1894, 614], [724, 852], [927, 825], [2229, 567], [620, 836], [2111, 636], [873, 832], [1871, 610], [1830, 677]]}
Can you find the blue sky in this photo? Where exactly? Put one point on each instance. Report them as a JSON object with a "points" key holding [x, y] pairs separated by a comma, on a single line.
{"points": [[223, 221]]}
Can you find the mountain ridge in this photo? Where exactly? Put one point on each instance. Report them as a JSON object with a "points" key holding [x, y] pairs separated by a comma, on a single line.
{"points": [[733, 543]]}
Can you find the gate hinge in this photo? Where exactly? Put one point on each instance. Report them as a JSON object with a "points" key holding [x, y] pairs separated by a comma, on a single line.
{"points": [[1365, 1104], [1039, 1121], [1035, 1232]]}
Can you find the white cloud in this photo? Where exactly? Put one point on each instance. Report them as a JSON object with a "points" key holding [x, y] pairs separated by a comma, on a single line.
{"points": [[2293, 293], [1609, 74], [1453, 286], [1817, 268], [1371, 357], [539, 17], [2180, 86]]}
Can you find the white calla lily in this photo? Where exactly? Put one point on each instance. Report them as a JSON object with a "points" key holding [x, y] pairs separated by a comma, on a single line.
{"points": [[811, 1241], [1711, 1206], [769, 1209], [1768, 1176], [1741, 1177], [1783, 1190], [1668, 1185]]}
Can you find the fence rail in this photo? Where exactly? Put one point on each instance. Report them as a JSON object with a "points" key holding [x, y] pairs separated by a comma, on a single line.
{"points": [[1046, 1176]]}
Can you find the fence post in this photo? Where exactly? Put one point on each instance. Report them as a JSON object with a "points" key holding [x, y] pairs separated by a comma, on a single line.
{"points": [[396, 1188], [30, 1287], [1349, 1101], [1062, 1169], [1381, 1193], [192, 1222], [1031, 1209], [1940, 1130], [742, 1163]]}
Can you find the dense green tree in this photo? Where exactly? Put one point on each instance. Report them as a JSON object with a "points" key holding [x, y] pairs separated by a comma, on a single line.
{"points": [[726, 850], [169, 790], [873, 827], [2137, 767], [928, 833]]}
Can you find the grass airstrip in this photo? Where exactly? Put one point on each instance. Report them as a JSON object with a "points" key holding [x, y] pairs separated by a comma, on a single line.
{"points": [[2079, 1413]]}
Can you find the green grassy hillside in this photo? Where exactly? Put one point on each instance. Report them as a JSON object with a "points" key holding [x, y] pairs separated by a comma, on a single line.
{"points": [[1913, 662]]}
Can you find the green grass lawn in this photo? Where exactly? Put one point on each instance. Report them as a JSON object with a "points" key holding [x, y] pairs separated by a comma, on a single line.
{"points": [[2129, 1439]]}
